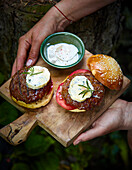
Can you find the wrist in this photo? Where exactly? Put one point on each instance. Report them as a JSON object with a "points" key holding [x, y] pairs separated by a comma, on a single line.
{"points": [[53, 21], [60, 20], [128, 116]]}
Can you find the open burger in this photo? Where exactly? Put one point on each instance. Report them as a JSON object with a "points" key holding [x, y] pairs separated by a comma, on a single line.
{"points": [[80, 91], [31, 87], [84, 90]]}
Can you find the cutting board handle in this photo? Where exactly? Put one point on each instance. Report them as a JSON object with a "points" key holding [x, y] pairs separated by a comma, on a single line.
{"points": [[18, 131]]}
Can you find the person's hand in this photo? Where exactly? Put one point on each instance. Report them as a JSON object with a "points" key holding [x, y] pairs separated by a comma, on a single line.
{"points": [[112, 120], [29, 44]]}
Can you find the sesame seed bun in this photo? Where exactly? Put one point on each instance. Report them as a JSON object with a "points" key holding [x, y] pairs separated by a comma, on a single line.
{"points": [[106, 70]]}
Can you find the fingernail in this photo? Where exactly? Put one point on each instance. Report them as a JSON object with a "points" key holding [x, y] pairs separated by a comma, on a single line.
{"points": [[77, 142], [93, 125], [29, 62]]}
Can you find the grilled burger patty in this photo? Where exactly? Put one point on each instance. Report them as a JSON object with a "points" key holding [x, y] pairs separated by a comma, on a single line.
{"points": [[20, 91], [89, 103]]}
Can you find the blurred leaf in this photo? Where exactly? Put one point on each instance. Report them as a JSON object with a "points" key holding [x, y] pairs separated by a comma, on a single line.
{"points": [[105, 150], [8, 113], [48, 162], [114, 150], [122, 145], [1, 78], [124, 151], [76, 166], [115, 136], [20, 166], [37, 144], [18, 153], [59, 150]]}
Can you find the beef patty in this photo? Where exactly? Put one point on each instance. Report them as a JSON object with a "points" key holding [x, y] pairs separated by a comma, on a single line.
{"points": [[89, 103], [20, 91]]}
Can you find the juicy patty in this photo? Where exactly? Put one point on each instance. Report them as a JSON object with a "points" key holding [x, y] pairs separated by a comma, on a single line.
{"points": [[89, 103], [20, 91]]}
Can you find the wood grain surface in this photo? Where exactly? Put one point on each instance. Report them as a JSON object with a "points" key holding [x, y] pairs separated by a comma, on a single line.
{"points": [[63, 125]]}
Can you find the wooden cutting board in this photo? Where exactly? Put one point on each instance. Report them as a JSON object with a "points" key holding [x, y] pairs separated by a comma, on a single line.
{"points": [[63, 125]]}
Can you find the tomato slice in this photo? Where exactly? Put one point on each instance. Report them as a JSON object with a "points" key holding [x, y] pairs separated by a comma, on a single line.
{"points": [[59, 98], [80, 71], [61, 101]]}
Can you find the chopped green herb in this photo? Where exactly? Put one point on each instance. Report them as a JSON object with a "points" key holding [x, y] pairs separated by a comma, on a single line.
{"points": [[88, 89], [32, 72]]}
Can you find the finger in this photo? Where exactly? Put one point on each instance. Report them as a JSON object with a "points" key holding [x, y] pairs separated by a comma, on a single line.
{"points": [[14, 69], [90, 134], [34, 52], [23, 48]]}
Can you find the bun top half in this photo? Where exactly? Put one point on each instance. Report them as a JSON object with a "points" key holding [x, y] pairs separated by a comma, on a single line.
{"points": [[106, 70]]}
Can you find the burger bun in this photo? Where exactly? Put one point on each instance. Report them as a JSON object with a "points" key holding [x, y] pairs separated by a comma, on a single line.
{"points": [[106, 70]]}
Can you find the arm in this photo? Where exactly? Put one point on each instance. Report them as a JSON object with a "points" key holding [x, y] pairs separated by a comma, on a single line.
{"points": [[117, 117], [76, 9], [52, 22]]}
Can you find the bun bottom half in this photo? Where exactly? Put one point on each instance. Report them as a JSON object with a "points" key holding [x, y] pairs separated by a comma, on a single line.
{"points": [[77, 110], [37, 104]]}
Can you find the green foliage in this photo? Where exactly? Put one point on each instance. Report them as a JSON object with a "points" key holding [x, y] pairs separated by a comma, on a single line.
{"points": [[37, 144], [47, 162], [122, 147], [8, 113], [20, 166], [42, 152]]}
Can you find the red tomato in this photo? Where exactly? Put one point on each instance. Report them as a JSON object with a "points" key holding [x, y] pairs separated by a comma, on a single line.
{"points": [[59, 98], [61, 101]]}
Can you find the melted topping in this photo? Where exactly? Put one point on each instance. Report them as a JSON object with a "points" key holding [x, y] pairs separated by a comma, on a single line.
{"points": [[37, 77], [80, 88]]}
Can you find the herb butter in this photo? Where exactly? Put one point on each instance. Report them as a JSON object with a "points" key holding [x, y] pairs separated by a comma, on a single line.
{"points": [[78, 85], [37, 77]]}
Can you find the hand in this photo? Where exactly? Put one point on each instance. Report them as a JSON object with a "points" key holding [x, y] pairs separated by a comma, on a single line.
{"points": [[30, 43], [111, 120]]}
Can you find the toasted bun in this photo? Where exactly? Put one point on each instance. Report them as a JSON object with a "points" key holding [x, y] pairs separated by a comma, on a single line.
{"points": [[45, 100], [106, 70], [77, 110]]}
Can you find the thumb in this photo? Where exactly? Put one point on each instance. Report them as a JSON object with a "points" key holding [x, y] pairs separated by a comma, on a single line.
{"points": [[96, 131]]}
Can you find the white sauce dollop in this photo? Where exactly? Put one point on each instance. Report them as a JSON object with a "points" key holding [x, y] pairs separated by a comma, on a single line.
{"points": [[62, 54]]}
